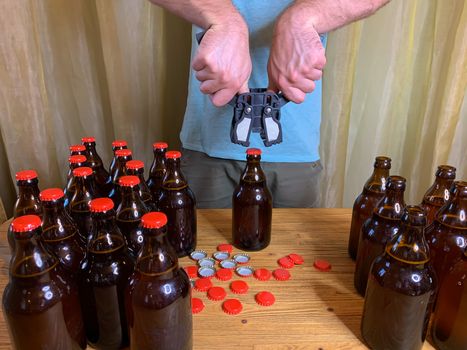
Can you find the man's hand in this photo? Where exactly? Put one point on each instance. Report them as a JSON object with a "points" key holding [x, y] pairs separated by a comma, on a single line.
{"points": [[297, 56], [223, 62]]}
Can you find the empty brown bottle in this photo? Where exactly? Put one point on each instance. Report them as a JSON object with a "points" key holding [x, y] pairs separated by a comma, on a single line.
{"points": [[157, 170], [438, 194], [158, 296], [106, 272], [378, 230], [27, 202], [447, 236], [401, 289], [75, 162], [373, 191], [116, 145], [178, 202], [79, 204], [123, 156], [129, 214], [252, 206], [136, 168], [102, 177], [36, 303], [76, 150]]}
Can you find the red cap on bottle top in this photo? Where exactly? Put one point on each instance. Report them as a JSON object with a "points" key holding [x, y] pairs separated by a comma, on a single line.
{"points": [[25, 223], [88, 139], [134, 164], [26, 175], [77, 148], [253, 151], [119, 143], [129, 181], [154, 219], [51, 194], [77, 159], [101, 205], [123, 152], [159, 145], [173, 154], [82, 171]]}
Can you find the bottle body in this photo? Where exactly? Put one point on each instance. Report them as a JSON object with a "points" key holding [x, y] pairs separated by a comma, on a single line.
{"points": [[102, 177], [136, 168]]}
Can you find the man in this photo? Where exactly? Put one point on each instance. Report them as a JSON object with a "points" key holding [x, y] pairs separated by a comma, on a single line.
{"points": [[257, 44]]}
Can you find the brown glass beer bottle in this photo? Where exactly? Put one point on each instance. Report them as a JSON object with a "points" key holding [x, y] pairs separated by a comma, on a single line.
{"points": [[157, 170], [438, 194], [178, 202], [36, 303], [129, 214], [75, 162], [122, 156], [106, 272], [373, 191], [102, 177], [378, 230], [136, 168], [78, 150], [116, 145], [252, 206], [401, 289], [158, 296]]}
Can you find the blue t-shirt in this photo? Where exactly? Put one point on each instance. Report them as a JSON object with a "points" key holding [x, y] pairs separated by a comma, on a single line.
{"points": [[206, 128]]}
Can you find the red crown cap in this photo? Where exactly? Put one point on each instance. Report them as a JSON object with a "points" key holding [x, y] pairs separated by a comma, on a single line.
{"points": [[129, 181], [134, 164], [100, 205], [123, 152], [26, 223], [26, 175], [77, 148], [119, 143], [77, 159], [154, 219], [88, 139], [160, 145], [51, 194], [172, 154], [82, 171], [253, 152]]}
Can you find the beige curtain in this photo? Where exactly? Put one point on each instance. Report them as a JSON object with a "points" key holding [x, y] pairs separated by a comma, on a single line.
{"points": [[395, 84]]}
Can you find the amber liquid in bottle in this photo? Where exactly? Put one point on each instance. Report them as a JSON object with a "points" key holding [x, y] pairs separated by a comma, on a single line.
{"points": [[378, 230], [438, 194], [136, 168], [157, 171], [116, 145], [373, 191], [75, 162], [102, 177], [252, 207], [159, 298], [123, 156], [401, 289]]}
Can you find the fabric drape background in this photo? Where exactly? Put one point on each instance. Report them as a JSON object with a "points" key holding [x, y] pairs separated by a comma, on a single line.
{"points": [[395, 84]]}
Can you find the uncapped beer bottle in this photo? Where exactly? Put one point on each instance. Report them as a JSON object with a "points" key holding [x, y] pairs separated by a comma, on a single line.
{"points": [[252, 206], [116, 145], [28, 201], [102, 177], [157, 171], [129, 213], [79, 204], [75, 162], [378, 230], [123, 156], [36, 303], [178, 202], [438, 194], [136, 168], [76, 150], [106, 273], [401, 288], [447, 236], [158, 298], [363, 207]]}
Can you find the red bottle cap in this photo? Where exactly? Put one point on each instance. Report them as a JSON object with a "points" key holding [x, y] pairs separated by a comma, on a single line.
{"points": [[77, 148], [134, 164], [77, 159], [160, 145], [26, 175], [265, 298], [224, 247], [322, 265], [25, 223], [88, 139], [281, 274], [128, 181], [224, 274], [51, 194], [82, 171], [172, 154], [232, 306], [263, 274], [101, 205], [216, 293], [154, 219], [119, 143], [253, 151], [286, 262], [297, 259], [192, 271], [197, 305], [203, 284], [123, 152], [239, 287]]}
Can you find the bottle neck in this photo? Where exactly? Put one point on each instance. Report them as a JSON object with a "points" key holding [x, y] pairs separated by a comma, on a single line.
{"points": [[120, 169], [391, 206], [409, 246], [174, 179], [105, 237], [131, 197], [28, 199], [158, 166], [377, 181], [454, 212], [253, 172]]}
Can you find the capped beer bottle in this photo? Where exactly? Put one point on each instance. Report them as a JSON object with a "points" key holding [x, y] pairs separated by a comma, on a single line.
{"points": [[157, 171], [401, 289], [129, 213], [78, 150], [178, 202], [106, 273], [252, 206], [102, 177], [75, 162], [447, 236], [39, 311], [363, 207], [438, 194], [158, 297], [123, 156], [378, 230], [116, 145], [136, 168]]}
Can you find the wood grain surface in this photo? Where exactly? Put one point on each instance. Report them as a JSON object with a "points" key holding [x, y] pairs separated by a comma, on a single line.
{"points": [[313, 310]]}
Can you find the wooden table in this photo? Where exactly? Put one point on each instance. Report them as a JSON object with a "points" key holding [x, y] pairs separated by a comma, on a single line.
{"points": [[313, 310]]}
